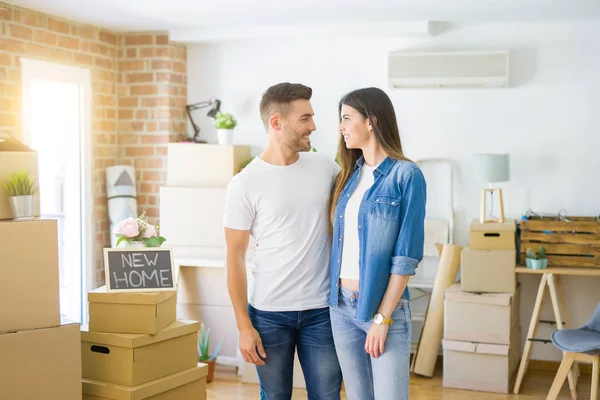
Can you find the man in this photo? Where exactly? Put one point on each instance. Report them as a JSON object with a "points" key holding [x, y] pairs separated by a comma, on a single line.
{"points": [[282, 199]]}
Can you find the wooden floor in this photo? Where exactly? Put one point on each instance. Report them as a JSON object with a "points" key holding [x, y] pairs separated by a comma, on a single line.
{"points": [[535, 386]]}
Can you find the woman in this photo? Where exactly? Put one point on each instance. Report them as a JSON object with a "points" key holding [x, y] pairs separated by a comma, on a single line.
{"points": [[378, 213]]}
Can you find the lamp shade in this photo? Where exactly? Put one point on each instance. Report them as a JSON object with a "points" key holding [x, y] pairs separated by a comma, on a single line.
{"points": [[492, 167]]}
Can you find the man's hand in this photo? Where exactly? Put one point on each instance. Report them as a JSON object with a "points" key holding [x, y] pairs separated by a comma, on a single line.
{"points": [[250, 342]]}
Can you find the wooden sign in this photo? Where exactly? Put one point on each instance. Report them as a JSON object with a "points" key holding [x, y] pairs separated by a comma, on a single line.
{"points": [[139, 269]]}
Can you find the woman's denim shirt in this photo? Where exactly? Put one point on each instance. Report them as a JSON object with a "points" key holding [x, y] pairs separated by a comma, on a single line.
{"points": [[391, 220]]}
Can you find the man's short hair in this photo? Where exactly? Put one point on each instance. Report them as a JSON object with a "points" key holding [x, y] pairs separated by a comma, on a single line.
{"points": [[277, 97]]}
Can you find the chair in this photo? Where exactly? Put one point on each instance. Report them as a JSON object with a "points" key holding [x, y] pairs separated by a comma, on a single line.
{"points": [[581, 344]]}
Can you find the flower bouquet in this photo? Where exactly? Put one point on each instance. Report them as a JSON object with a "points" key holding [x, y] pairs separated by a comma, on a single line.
{"points": [[137, 232]]}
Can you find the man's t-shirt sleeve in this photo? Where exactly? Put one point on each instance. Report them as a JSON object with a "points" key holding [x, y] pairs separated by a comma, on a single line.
{"points": [[239, 211], [335, 170]]}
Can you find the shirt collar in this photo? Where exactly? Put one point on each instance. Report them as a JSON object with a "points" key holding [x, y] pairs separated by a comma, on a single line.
{"points": [[383, 168]]}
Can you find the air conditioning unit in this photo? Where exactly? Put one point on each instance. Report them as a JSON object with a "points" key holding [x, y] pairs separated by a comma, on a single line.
{"points": [[448, 69]]}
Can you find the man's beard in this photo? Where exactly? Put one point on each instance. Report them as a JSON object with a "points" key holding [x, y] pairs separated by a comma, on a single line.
{"points": [[296, 143]]}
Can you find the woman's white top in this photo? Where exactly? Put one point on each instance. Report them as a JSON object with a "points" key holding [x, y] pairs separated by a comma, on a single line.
{"points": [[350, 248]]}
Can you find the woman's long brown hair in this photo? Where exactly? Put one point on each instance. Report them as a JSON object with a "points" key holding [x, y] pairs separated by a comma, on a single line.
{"points": [[372, 103]]}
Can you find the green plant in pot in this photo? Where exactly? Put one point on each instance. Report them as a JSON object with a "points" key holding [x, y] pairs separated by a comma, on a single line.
{"points": [[203, 355], [21, 191], [537, 260], [225, 123]]}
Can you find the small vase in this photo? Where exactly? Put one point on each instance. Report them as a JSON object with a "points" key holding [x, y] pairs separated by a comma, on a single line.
{"points": [[132, 245], [22, 207], [211, 369], [539, 264], [225, 137]]}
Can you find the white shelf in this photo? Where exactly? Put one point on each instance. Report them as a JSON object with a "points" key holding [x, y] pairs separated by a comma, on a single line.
{"points": [[201, 262]]}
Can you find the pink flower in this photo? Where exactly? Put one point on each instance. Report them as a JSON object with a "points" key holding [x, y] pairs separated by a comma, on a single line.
{"points": [[150, 231], [128, 228]]}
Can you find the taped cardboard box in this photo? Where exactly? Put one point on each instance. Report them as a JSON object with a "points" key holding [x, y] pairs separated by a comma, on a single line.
{"points": [[134, 359], [493, 235], [203, 285], [29, 287], [41, 363], [186, 385], [15, 156], [480, 317], [204, 165], [481, 366], [147, 312], [488, 271]]}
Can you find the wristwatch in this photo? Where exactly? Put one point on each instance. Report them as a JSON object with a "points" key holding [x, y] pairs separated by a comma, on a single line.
{"points": [[379, 319]]}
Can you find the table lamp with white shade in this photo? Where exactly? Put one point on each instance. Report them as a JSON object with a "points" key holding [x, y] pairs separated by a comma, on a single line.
{"points": [[491, 168]]}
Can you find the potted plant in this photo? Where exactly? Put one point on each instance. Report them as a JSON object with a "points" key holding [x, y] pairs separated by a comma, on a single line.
{"points": [[537, 260], [21, 191], [203, 356], [137, 232], [225, 123]]}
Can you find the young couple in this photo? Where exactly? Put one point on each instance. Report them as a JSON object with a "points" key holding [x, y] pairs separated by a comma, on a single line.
{"points": [[340, 300]]}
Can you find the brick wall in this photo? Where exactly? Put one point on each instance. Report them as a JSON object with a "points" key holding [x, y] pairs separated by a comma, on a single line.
{"points": [[138, 98], [152, 98]]}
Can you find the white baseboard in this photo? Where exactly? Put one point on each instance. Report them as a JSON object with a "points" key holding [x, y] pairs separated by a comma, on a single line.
{"points": [[230, 361]]}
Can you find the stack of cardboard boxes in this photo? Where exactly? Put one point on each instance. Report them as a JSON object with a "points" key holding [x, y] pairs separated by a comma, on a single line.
{"points": [[39, 354], [136, 348], [482, 333]]}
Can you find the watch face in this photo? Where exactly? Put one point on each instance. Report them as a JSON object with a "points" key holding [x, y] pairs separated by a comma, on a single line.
{"points": [[378, 319]]}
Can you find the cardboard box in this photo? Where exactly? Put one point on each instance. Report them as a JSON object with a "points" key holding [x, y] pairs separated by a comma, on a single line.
{"points": [[29, 283], [192, 216], [41, 363], [131, 360], [493, 235], [186, 385], [483, 318], [203, 285], [147, 312], [204, 165], [488, 271], [481, 366], [220, 320], [15, 156], [191, 219]]}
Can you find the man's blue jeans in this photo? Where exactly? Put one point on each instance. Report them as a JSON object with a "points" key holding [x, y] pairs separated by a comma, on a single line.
{"points": [[308, 331]]}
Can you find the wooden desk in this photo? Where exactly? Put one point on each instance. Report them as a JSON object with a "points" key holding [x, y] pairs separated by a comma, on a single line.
{"points": [[550, 277], [586, 271]]}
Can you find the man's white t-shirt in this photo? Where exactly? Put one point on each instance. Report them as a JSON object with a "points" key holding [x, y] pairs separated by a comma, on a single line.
{"points": [[286, 209]]}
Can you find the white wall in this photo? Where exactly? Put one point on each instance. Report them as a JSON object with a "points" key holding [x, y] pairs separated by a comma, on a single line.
{"points": [[548, 120]]}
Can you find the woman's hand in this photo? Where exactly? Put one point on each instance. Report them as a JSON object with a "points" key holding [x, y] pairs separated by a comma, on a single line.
{"points": [[376, 339]]}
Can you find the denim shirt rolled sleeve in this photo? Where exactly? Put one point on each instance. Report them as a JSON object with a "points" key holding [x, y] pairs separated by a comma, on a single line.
{"points": [[409, 246]]}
